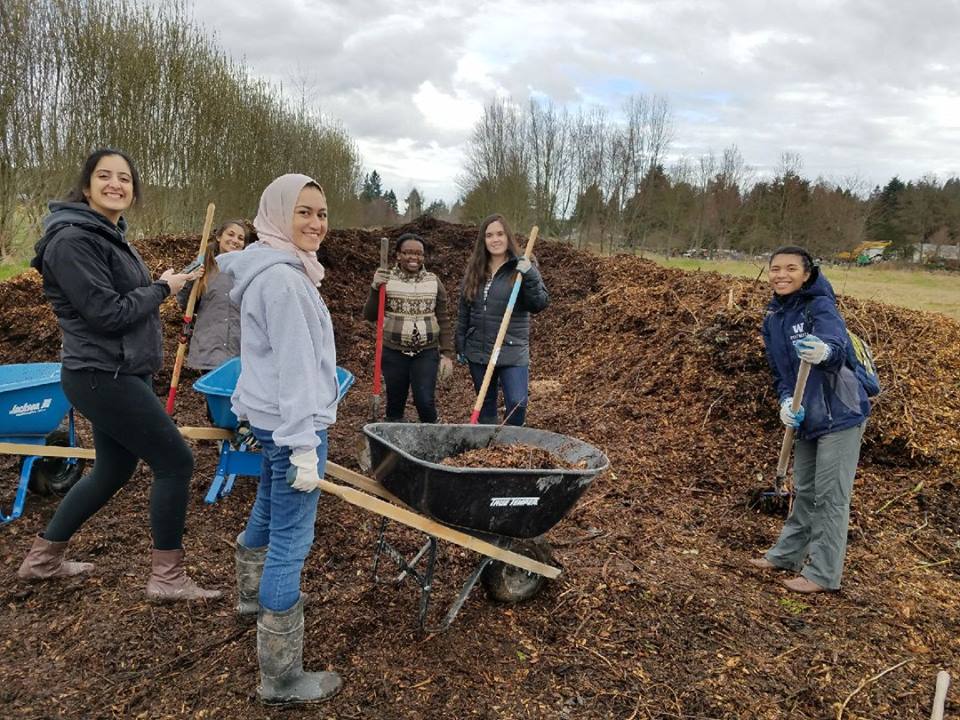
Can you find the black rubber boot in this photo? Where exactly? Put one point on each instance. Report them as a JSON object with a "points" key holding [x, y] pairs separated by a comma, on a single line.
{"points": [[280, 653], [249, 569]]}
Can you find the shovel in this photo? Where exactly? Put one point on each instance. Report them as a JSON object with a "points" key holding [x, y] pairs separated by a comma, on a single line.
{"points": [[362, 445], [781, 498], [375, 400], [492, 363], [188, 317]]}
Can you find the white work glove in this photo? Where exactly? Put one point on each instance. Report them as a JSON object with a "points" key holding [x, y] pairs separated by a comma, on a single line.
{"points": [[380, 277], [790, 418], [523, 265], [812, 349], [446, 369], [302, 474]]}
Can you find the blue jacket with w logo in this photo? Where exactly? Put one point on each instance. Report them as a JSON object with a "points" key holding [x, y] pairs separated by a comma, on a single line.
{"points": [[834, 399]]}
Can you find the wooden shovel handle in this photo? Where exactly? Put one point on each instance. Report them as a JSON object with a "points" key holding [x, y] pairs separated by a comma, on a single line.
{"points": [[188, 313], [787, 444]]}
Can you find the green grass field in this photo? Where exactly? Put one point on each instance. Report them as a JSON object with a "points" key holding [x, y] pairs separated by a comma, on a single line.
{"points": [[8, 270], [917, 289]]}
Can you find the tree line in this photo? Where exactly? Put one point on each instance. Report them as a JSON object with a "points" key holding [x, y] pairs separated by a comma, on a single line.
{"points": [[75, 76], [611, 184]]}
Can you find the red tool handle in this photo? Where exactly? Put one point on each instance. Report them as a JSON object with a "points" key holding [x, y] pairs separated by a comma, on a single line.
{"points": [[378, 353]]}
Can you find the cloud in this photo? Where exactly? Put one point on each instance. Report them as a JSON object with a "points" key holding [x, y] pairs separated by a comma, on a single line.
{"points": [[854, 86]]}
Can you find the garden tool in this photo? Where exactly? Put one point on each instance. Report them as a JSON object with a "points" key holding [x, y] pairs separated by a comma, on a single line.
{"points": [[187, 328], [779, 501], [375, 400], [492, 363]]}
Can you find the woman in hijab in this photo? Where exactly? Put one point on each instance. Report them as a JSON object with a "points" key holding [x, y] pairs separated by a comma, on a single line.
{"points": [[287, 389]]}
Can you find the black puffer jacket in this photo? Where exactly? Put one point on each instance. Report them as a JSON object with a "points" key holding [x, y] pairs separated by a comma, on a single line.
{"points": [[478, 322], [101, 291]]}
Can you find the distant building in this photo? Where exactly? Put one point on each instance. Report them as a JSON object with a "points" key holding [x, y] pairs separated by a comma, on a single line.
{"points": [[925, 252]]}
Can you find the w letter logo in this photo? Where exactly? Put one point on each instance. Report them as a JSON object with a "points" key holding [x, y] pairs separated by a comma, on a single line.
{"points": [[798, 328]]}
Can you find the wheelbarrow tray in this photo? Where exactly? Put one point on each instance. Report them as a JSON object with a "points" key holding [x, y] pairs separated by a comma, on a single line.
{"points": [[218, 386], [517, 503], [32, 403]]}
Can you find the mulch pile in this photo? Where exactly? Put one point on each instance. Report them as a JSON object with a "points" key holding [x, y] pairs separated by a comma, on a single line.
{"points": [[654, 615], [509, 456]]}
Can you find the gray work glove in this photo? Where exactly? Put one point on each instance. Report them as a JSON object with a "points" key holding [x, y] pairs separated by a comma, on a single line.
{"points": [[380, 277], [446, 370], [523, 265]]}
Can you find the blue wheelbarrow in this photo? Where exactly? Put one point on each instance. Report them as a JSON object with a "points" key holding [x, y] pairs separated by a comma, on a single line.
{"points": [[237, 457], [32, 410]]}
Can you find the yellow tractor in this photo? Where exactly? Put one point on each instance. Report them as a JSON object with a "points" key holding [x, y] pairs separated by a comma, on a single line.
{"points": [[864, 253]]}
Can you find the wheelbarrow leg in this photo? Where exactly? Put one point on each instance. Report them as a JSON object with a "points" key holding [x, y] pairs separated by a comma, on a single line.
{"points": [[214, 492], [424, 579], [454, 608], [383, 546], [21, 497]]}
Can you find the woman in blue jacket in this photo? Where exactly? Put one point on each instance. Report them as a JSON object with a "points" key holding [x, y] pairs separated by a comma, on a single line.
{"points": [[802, 323], [487, 285]]}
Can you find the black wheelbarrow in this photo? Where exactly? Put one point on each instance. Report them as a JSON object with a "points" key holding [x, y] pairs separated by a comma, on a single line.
{"points": [[508, 507]]}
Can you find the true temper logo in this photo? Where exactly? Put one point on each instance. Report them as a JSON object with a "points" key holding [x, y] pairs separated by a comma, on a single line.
{"points": [[30, 408], [514, 501]]}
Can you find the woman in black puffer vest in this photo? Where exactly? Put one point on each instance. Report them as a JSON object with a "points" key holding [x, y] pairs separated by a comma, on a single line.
{"points": [[484, 296]]}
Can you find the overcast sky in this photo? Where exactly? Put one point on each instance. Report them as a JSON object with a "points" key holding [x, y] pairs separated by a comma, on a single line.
{"points": [[863, 88]]}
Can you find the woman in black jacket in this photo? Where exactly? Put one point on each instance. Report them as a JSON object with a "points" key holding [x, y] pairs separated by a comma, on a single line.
{"points": [[486, 290], [107, 306]]}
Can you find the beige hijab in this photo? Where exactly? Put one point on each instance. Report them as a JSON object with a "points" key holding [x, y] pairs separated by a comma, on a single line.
{"points": [[274, 221]]}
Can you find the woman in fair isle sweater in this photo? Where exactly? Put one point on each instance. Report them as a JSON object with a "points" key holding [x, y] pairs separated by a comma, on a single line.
{"points": [[417, 335]]}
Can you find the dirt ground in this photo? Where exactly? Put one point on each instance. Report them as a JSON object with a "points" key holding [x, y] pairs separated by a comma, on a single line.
{"points": [[654, 616]]}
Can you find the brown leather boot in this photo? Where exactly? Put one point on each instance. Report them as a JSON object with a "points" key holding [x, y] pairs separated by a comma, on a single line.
{"points": [[45, 561], [169, 581]]}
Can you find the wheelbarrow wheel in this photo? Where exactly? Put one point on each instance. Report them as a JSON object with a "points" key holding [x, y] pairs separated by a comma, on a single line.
{"points": [[510, 584], [55, 475]]}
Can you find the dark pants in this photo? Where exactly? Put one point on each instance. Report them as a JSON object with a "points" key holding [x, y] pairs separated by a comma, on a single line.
{"points": [[514, 379], [401, 373], [129, 424]]}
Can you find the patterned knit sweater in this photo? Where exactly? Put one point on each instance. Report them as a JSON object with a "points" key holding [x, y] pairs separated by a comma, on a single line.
{"points": [[416, 316]]}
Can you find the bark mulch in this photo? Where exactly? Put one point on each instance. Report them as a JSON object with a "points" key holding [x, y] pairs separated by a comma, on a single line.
{"points": [[654, 616]]}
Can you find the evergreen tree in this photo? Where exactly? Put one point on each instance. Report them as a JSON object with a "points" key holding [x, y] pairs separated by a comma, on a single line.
{"points": [[391, 199], [883, 222], [372, 187], [414, 203]]}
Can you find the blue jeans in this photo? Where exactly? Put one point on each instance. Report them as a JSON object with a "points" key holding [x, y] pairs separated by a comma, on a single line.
{"points": [[514, 379], [282, 519]]}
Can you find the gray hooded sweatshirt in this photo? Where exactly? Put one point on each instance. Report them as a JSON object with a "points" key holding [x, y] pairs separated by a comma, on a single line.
{"points": [[288, 380]]}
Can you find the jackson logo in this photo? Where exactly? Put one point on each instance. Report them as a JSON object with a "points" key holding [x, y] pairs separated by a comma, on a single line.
{"points": [[30, 408], [514, 501]]}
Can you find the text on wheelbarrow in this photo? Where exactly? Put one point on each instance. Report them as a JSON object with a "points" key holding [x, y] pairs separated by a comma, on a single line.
{"points": [[513, 501], [30, 408]]}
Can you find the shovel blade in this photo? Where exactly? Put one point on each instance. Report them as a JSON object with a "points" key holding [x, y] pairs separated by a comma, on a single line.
{"points": [[364, 459]]}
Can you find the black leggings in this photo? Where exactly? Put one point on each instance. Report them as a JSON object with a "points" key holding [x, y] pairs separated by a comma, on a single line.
{"points": [[403, 372], [129, 424]]}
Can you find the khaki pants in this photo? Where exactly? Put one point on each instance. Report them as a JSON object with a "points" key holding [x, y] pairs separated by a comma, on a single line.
{"points": [[813, 541]]}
